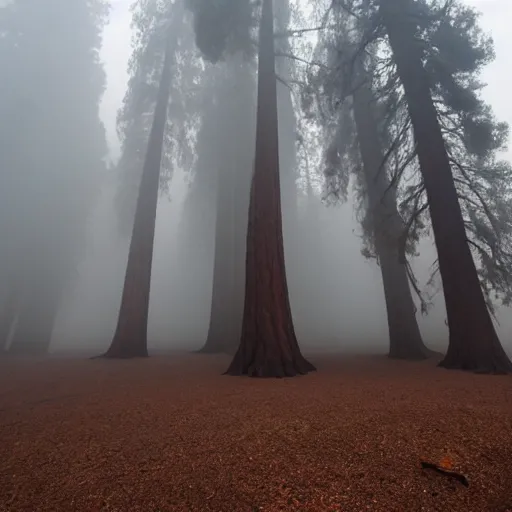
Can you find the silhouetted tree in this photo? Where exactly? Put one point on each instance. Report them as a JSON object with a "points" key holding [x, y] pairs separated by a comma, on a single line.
{"points": [[38, 306], [234, 178], [233, 156], [130, 338], [387, 228], [473, 342], [428, 81], [347, 108], [268, 346], [9, 311], [150, 20], [52, 157]]}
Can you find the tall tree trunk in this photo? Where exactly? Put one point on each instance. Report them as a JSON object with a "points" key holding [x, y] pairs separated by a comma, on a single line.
{"points": [[227, 293], [234, 157], [130, 338], [288, 169], [473, 341], [242, 191], [268, 346], [405, 340]]}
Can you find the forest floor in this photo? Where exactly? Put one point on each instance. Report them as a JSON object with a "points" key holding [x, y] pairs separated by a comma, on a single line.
{"points": [[171, 433]]}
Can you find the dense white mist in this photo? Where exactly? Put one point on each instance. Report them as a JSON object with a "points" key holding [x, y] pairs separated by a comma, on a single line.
{"points": [[348, 312], [342, 307], [88, 317]]}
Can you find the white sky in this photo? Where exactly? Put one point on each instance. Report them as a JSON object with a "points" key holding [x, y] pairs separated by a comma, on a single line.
{"points": [[495, 20], [115, 53]]}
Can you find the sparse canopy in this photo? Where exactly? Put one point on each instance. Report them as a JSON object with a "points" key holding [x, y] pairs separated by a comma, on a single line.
{"points": [[223, 27], [401, 40]]}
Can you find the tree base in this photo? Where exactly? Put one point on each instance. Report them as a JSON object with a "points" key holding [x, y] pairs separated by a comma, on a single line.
{"points": [[494, 366], [208, 349], [267, 367], [479, 354], [408, 356], [126, 346], [123, 354], [108, 355], [213, 346], [433, 354], [420, 353]]}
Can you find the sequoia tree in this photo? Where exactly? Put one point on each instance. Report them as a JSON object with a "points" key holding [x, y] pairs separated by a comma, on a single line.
{"points": [[268, 345], [235, 97], [150, 20], [473, 341], [235, 105], [427, 56], [387, 227], [52, 156], [130, 338], [351, 119]]}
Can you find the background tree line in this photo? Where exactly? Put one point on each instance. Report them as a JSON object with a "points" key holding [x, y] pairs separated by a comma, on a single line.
{"points": [[390, 99]]}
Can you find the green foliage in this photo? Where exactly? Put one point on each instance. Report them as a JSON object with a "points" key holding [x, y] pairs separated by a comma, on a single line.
{"points": [[454, 51], [223, 27], [156, 23]]}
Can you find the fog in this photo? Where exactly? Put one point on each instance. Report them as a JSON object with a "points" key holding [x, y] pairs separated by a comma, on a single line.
{"points": [[336, 294]]}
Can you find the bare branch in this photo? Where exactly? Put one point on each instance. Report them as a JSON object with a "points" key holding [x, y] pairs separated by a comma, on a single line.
{"points": [[299, 59]]}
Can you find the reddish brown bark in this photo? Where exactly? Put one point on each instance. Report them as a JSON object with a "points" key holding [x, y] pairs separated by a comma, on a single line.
{"points": [[268, 346], [473, 341], [130, 338], [405, 340]]}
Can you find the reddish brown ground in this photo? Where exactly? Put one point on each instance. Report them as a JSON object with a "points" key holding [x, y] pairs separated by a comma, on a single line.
{"points": [[172, 434]]}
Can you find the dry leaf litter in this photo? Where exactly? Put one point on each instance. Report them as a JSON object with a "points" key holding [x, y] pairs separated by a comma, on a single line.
{"points": [[171, 434]]}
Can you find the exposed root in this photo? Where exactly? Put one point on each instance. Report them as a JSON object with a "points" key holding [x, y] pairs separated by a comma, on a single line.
{"points": [[270, 367]]}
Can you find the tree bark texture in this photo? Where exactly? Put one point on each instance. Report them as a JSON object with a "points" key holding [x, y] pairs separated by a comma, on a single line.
{"points": [[268, 346], [473, 341], [405, 340], [130, 338]]}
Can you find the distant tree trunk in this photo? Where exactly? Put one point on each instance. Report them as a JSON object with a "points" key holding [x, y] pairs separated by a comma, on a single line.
{"points": [[288, 160], [268, 346], [241, 200], [37, 313], [8, 315], [227, 292], [405, 340], [130, 338], [473, 342], [288, 171]]}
